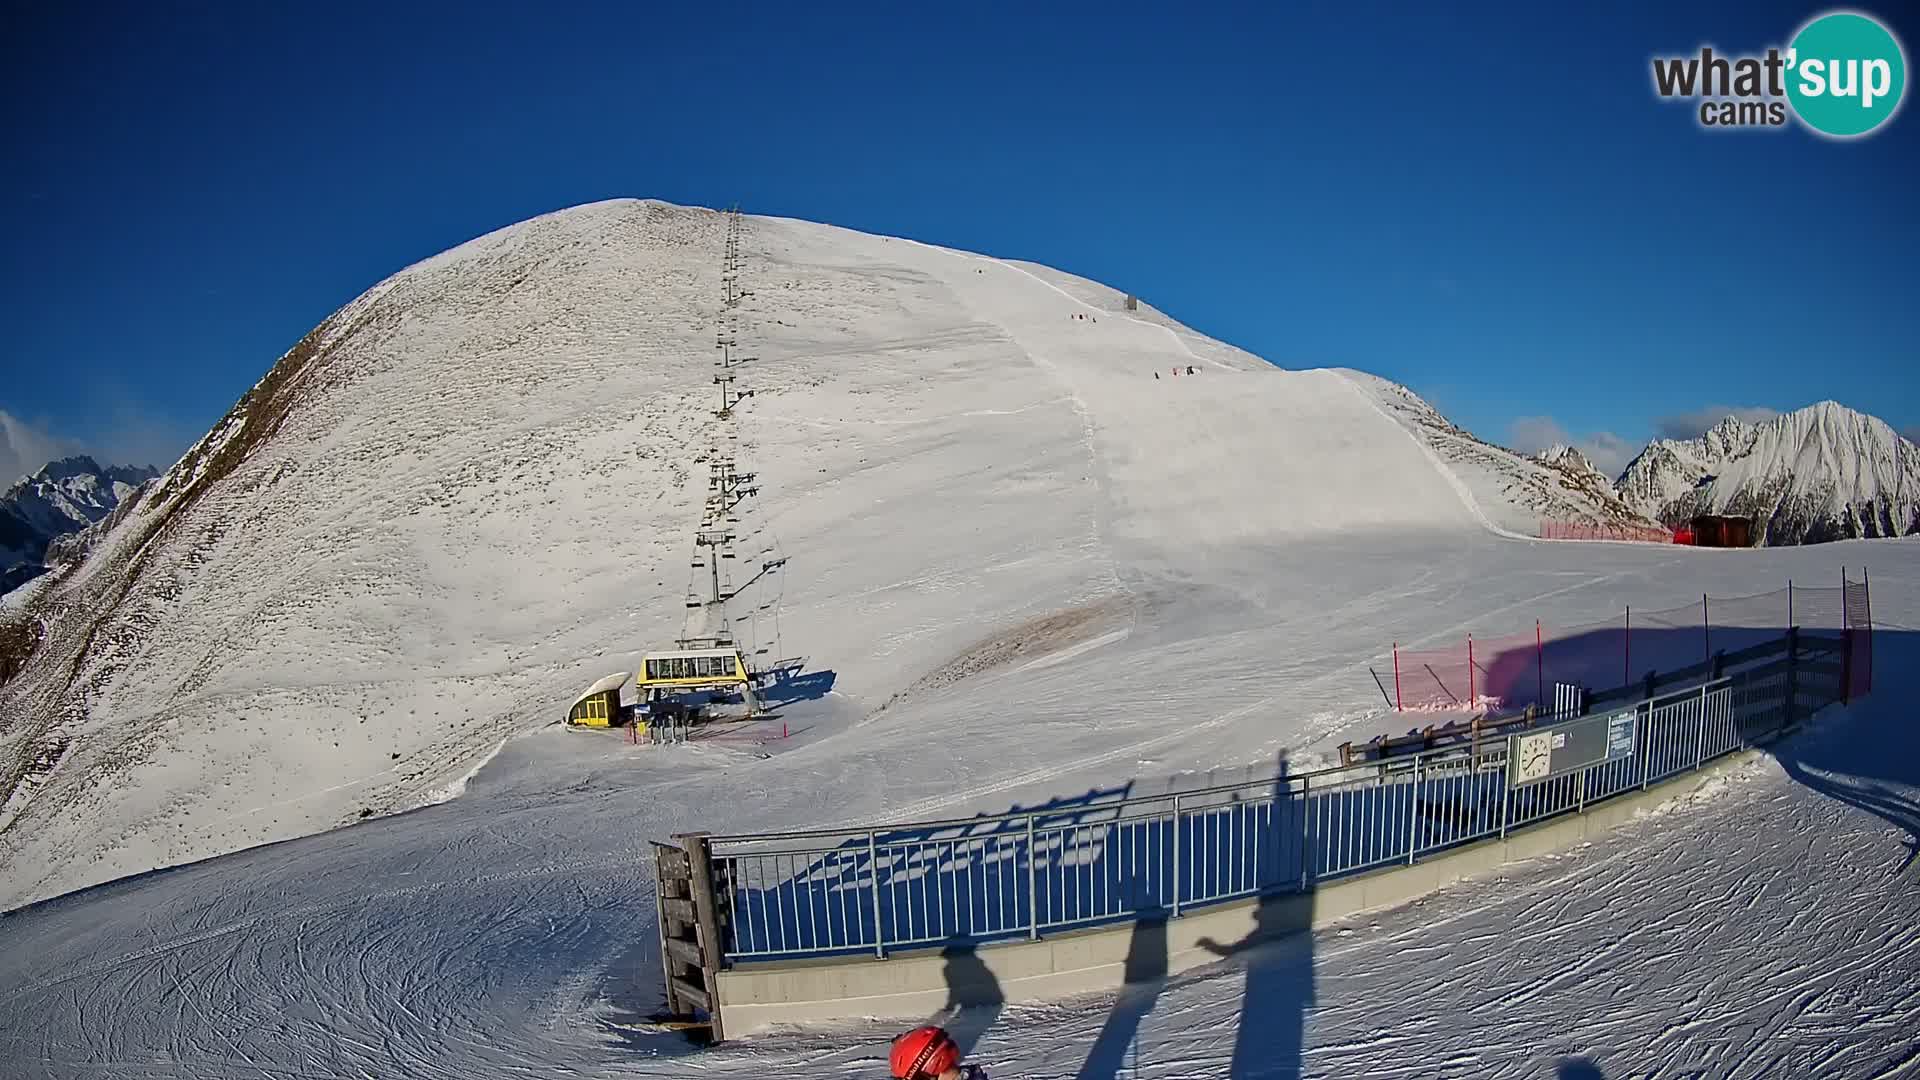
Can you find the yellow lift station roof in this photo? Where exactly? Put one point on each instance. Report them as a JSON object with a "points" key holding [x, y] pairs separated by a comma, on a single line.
{"points": [[612, 682]]}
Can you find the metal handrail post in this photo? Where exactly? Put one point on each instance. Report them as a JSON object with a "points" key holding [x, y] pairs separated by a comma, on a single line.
{"points": [[1646, 743], [1306, 835], [1700, 732], [1506, 791], [879, 931], [1413, 814], [1176, 856], [1033, 887]]}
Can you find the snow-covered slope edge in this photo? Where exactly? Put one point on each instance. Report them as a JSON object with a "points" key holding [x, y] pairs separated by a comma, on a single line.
{"points": [[1514, 492]]}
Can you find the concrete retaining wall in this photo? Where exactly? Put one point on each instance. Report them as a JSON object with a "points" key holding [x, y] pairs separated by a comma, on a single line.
{"points": [[917, 983]]}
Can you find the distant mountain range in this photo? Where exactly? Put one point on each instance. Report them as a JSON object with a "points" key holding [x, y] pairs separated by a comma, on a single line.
{"points": [[58, 503], [1825, 472]]}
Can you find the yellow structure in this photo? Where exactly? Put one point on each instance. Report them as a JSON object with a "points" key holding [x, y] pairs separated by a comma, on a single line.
{"points": [[599, 706], [694, 669]]}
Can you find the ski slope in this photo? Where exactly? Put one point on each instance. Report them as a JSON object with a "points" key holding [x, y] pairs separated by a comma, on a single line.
{"points": [[471, 493], [1761, 927], [1032, 570]]}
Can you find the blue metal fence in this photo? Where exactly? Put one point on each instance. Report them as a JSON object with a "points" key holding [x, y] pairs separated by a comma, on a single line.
{"points": [[1029, 873]]}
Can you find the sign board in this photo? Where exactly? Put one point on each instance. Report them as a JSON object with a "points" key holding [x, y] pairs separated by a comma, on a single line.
{"points": [[1533, 756]]}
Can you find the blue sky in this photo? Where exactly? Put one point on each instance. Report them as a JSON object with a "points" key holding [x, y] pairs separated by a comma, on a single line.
{"points": [[1491, 207]]}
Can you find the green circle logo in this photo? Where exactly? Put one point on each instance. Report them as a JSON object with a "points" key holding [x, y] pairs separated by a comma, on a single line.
{"points": [[1845, 74]]}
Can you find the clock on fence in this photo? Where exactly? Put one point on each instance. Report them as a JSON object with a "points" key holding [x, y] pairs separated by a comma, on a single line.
{"points": [[1534, 755]]}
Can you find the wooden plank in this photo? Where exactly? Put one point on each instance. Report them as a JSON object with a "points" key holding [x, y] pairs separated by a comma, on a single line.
{"points": [[709, 922], [677, 909], [690, 992], [670, 859], [675, 1003], [684, 951]]}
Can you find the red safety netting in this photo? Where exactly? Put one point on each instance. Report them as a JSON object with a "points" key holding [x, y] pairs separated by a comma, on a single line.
{"points": [[1508, 672], [1576, 530]]}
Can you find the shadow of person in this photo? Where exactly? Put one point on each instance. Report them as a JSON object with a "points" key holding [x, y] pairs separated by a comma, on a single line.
{"points": [[974, 997], [1278, 955], [1145, 973], [1577, 1068]]}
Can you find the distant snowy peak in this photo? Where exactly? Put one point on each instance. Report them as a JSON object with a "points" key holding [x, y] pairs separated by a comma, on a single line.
{"points": [[1513, 492], [1562, 456], [1825, 472], [63, 498]]}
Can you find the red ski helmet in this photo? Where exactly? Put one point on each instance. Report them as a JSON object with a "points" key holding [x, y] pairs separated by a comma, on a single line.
{"points": [[923, 1053]]}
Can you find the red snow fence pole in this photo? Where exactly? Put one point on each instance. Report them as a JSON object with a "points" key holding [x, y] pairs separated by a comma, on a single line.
{"points": [[1399, 703], [1470, 697]]}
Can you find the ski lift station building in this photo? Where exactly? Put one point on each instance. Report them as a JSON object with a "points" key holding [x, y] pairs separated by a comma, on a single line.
{"points": [[599, 704], [663, 674]]}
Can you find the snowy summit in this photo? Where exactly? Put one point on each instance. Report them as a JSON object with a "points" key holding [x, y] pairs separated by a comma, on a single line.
{"points": [[64, 497], [468, 493], [1027, 540], [1820, 473]]}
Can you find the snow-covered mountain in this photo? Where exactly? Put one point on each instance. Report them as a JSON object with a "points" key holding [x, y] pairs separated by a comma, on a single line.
{"points": [[65, 497], [471, 492], [1820, 473], [1515, 493]]}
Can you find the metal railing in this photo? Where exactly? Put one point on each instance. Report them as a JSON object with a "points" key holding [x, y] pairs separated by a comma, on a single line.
{"points": [[1029, 873]]}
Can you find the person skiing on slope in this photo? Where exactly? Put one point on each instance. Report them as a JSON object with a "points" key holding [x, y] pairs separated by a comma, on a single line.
{"points": [[929, 1053]]}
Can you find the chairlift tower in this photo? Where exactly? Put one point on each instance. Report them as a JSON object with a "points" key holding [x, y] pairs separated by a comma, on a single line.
{"points": [[708, 624]]}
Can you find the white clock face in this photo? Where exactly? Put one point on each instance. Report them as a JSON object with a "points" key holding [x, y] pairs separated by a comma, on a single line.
{"points": [[1535, 755]]}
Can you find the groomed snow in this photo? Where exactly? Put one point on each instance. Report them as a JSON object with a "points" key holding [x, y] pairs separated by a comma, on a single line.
{"points": [[1762, 928], [1055, 572]]}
